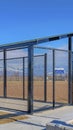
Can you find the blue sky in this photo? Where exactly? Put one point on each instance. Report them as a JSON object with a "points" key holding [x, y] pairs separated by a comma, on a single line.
{"points": [[28, 19]]}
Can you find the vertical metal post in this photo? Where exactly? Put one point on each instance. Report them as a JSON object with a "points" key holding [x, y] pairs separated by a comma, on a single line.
{"points": [[5, 79], [30, 79], [53, 78], [23, 78], [45, 77], [69, 71]]}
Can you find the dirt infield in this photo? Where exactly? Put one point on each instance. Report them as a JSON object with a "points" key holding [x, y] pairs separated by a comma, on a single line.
{"points": [[6, 117], [15, 89], [61, 91]]}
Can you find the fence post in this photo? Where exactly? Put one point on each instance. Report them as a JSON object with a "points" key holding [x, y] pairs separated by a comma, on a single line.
{"points": [[70, 71], [23, 78], [5, 76], [53, 78], [45, 77], [30, 79]]}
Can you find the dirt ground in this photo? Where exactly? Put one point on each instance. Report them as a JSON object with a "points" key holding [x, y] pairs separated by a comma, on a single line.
{"points": [[15, 89]]}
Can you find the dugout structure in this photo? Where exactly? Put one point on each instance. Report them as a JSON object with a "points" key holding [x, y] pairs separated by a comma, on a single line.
{"points": [[31, 47]]}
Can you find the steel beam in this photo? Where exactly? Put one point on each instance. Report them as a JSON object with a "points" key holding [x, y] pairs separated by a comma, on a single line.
{"points": [[33, 42], [70, 70], [5, 76], [45, 77], [23, 78], [53, 78], [30, 79]]}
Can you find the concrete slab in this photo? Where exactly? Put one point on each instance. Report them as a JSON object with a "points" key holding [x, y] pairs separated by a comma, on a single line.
{"points": [[53, 126], [38, 120], [22, 105]]}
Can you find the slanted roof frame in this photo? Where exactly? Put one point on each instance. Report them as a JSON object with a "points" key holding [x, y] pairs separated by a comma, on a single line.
{"points": [[27, 43]]}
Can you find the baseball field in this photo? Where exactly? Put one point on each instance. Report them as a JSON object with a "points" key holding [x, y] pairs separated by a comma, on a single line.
{"points": [[15, 89]]}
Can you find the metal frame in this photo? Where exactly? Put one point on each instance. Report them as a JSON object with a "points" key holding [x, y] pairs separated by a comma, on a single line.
{"points": [[53, 78], [45, 77], [5, 75], [23, 78], [30, 79], [33, 42], [70, 70], [29, 44]]}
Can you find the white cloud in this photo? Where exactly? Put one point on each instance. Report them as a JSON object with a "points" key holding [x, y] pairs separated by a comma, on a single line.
{"points": [[17, 53]]}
